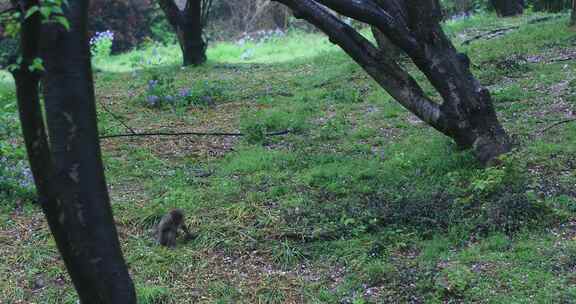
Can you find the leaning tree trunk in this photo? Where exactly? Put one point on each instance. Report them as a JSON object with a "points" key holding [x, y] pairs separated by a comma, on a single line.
{"points": [[188, 25], [69, 173], [466, 114], [508, 8], [384, 44]]}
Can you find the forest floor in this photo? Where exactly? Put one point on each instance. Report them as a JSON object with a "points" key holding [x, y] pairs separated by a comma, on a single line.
{"points": [[358, 203]]}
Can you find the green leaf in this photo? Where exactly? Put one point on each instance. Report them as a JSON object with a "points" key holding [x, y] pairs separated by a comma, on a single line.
{"points": [[62, 20], [37, 65], [13, 67], [45, 11], [31, 11], [57, 10]]}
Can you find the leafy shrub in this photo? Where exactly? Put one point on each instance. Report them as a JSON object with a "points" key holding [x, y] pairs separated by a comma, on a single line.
{"points": [[101, 44], [161, 91], [379, 272], [256, 125], [129, 20], [15, 177], [9, 50], [203, 93], [455, 279]]}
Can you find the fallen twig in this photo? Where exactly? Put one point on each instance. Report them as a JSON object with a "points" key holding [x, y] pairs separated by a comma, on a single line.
{"points": [[558, 123], [117, 118], [491, 34], [560, 59], [543, 19], [189, 134]]}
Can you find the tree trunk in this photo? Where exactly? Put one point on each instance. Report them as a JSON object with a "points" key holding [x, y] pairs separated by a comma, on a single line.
{"points": [[470, 118], [384, 44], [573, 16], [27, 95], [508, 8], [188, 25], [78, 211], [466, 114]]}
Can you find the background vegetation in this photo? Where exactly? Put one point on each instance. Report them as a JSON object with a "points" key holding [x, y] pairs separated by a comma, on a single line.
{"points": [[359, 203]]}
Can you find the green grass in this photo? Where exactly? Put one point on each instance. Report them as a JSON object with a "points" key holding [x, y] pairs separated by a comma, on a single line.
{"points": [[359, 203]]}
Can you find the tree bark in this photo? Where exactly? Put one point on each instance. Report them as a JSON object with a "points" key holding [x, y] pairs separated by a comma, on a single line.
{"points": [[508, 8], [573, 15], [188, 25], [78, 209], [28, 98], [384, 44], [466, 114]]}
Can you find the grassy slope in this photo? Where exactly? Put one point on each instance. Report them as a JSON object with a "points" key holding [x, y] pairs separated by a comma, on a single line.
{"points": [[361, 203]]}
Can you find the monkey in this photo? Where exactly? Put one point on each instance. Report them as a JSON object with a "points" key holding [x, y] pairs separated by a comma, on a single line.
{"points": [[166, 231]]}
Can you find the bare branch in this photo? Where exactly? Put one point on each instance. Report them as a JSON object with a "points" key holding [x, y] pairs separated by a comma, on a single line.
{"points": [[116, 117], [189, 133], [558, 123], [397, 82], [388, 16]]}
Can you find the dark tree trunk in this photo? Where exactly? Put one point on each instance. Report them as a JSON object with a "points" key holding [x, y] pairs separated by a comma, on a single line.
{"points": [[384, 44], [70, 179], [573, 16], [508, 8], [466, 114], [188, 25], [31, 120]]}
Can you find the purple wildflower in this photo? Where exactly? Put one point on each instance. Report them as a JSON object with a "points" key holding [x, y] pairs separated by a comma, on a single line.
{"points": [[186, 92], [152, 100], [152, 84], [101, 36]]}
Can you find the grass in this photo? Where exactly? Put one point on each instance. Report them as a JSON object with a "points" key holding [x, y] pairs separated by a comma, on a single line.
{"points": [[359, 203]]}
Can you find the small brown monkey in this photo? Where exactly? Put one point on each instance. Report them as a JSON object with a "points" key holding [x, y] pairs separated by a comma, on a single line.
{"points": [[166, 231]]}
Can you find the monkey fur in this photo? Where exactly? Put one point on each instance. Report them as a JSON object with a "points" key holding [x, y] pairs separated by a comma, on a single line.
{"points": [[166, 231]]}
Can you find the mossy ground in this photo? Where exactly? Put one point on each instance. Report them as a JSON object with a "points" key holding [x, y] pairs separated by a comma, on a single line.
{"points": [[359, 203]]}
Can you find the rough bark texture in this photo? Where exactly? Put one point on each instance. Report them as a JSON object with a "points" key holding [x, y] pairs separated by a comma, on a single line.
{"points": [[573, 16], [384, 44], [508, 8], [188, 24], [466, 114], [27, 92], [78, 207]]}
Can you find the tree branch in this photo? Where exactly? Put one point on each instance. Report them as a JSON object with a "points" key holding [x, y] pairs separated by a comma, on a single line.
{"points": [[172, 11], [558, 123], [8, 10], [206, 10], [397, 82], [189, 133], [490, 34], [388, 16], [115, 117]]}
